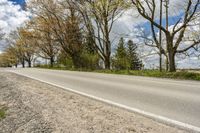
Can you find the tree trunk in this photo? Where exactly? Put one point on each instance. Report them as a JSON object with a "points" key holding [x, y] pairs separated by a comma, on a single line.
{"points": [[107, 46], [52, 61], [167, 63], [107, 62], [76, 59], [171, 53], [23, 63], [29, 63], [172, 65], [160, 36]]}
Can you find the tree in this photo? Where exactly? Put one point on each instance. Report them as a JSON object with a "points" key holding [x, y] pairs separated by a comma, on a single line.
{"points": [[7, 59], [11, 57], [120, 58], [175, 34], [15, 46], [73, 22], [99, 17], [65, 24], [46, 43], [4, 60], [25, 46], [74, 45], [89, 54], [134, 62]]}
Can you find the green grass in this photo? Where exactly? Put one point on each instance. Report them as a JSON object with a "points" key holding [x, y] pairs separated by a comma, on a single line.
{"points": [[184, 75], [155, 73], [2, 112]]}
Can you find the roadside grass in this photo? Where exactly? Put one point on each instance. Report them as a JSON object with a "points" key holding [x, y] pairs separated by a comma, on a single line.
{"points": [[180, 74], [3, 110], [155, 73]]}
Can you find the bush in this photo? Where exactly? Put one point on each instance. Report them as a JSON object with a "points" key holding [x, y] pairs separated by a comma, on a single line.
{"points": [[90, 61], [2, 112]]}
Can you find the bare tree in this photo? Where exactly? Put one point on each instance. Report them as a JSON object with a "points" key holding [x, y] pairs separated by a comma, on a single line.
{"points": [[99, 17], [175, 35]]}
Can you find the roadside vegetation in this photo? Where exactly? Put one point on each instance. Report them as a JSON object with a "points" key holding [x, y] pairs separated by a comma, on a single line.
{"points": [[3, 110], [156, 73], [180, 74]]}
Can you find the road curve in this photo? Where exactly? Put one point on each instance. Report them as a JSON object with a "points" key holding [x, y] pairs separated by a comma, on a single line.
{"points": [[172, 99]]}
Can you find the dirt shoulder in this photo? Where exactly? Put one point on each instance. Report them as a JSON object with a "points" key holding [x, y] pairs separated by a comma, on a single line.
{"points": [[34, 107]]}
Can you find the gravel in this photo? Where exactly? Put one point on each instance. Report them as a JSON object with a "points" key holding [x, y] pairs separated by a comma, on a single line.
{"points": [[35, 107]]}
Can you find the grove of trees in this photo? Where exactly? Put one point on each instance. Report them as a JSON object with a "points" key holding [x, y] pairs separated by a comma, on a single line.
{"points": [[77, 34], [126, 56]]}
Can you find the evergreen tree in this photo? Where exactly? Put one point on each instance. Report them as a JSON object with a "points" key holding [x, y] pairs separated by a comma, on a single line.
{"points": [[134, 62], [120, 58]]}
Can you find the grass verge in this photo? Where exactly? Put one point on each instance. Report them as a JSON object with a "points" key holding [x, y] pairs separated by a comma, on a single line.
{"points": [[181, 74], [184, 75]]}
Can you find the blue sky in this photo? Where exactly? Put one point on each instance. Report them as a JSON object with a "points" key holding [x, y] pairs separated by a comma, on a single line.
{"points": [[172, 21], [20, 2]]}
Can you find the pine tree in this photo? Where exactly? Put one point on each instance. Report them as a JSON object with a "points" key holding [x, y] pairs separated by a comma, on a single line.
{"points": [[134, 62], [120, 58]]}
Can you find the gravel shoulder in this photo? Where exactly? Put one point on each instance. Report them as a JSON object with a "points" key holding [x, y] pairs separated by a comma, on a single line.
{"points": [[35, 107]]}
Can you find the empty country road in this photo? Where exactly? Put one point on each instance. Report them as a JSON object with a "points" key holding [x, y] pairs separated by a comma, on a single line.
{"points": [[162, 98]]}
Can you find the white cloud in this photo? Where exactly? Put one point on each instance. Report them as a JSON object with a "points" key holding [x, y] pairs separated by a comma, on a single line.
{"points": [[11, 16]]}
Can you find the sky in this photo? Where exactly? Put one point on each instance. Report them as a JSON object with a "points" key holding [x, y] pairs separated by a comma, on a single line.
{"points": [[12, 16], [20, 2]]}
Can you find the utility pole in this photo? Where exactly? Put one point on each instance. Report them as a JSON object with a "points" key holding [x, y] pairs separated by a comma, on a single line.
{"points": [[160, 36]]}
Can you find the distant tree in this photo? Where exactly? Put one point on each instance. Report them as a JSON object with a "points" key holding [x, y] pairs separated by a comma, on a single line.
{"points": [[120, 57], [15, 45], [45, 41], [134, 63], [11, 57], [28, 45]]}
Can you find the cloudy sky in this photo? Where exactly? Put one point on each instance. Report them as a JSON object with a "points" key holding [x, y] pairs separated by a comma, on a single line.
{"points": [[12, 16]]}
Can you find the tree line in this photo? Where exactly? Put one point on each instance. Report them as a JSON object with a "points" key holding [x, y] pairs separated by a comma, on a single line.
{"points": [[77, 33]]}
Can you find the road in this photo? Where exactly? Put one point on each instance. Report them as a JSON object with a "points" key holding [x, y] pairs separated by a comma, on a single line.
{"points": [[172, 101]]}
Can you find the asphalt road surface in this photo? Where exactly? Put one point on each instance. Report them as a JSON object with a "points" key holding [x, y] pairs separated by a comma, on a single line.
{"points": [[164, 99]]}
